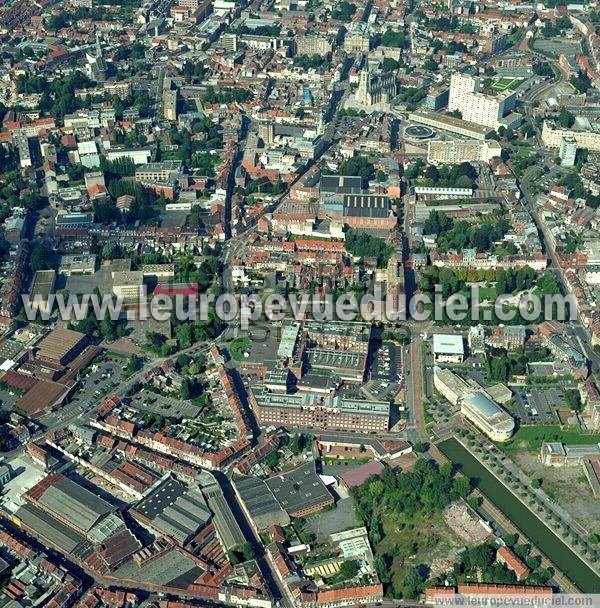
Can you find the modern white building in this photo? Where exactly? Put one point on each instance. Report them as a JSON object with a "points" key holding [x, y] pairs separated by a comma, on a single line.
{"points": [[567, 151], [475, 404], [139, 157], [478, 107], [449, 385], [487, 416], [448, 348]]}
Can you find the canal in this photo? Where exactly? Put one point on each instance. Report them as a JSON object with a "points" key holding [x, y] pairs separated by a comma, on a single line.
{"points": [[522, 517]]}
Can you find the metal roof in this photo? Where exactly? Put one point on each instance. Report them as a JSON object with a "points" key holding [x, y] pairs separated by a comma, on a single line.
{"points": [[448, 344], [299, 489], [75, 503]]}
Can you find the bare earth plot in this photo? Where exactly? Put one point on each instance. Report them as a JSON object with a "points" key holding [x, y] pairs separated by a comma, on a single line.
{"points": [[422, 541], [567, 486]]}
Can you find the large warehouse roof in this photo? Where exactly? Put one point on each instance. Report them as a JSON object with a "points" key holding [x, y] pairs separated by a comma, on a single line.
{"points": [[74, 503], [59, 343], [448, 344], [49, 529], [176, 510], [299, 489], [260, 502]]}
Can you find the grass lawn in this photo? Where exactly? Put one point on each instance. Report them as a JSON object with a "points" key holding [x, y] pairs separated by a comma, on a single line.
{"points": [[531, 437], [238, 347], [488, 293], [504, 84]]}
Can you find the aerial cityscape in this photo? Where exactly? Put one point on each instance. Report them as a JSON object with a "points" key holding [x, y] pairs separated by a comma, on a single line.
{"points": [[299, 303]]}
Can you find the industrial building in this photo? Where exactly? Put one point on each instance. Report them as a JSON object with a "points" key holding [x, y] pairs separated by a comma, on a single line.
{"points": [[171, 509], [369, 211], [300, 491], [259, 503], [61, 346]]}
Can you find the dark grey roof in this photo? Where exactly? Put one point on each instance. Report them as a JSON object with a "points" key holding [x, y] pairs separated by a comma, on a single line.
{"points": [[50, 530], [176, 510], [367, 205], [340, 184], [260, 502], [299, 489], [172, 569], [161, 497], [226, 525], [75, 503]]}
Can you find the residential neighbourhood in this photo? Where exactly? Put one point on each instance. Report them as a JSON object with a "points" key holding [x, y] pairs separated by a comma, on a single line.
{"points": [[299, 302]]}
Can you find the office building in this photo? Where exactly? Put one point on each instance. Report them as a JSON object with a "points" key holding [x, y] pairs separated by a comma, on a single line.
{"points": [[448, 348], [309, 410], [487, 416], [567, 151], [475, 404], [437, 99], [157, 172], [128, 284], [451, 386], [22, 144], [266, 132], [229, 41], [169, 99], [313, 45]]}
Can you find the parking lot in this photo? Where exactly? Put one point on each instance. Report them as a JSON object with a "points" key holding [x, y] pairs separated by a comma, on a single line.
{"points": [[97, 381], [8, 399], [538, 405], [164, 405], [387, 363]]}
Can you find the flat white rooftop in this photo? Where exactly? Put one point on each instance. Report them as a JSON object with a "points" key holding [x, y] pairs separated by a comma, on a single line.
{"points": [[448, 344]]}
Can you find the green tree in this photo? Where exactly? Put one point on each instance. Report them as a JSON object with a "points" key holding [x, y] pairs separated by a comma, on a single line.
{"points": [[411, 586], [40, 257], [348, 570], [565, 118], [393, 39]]}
